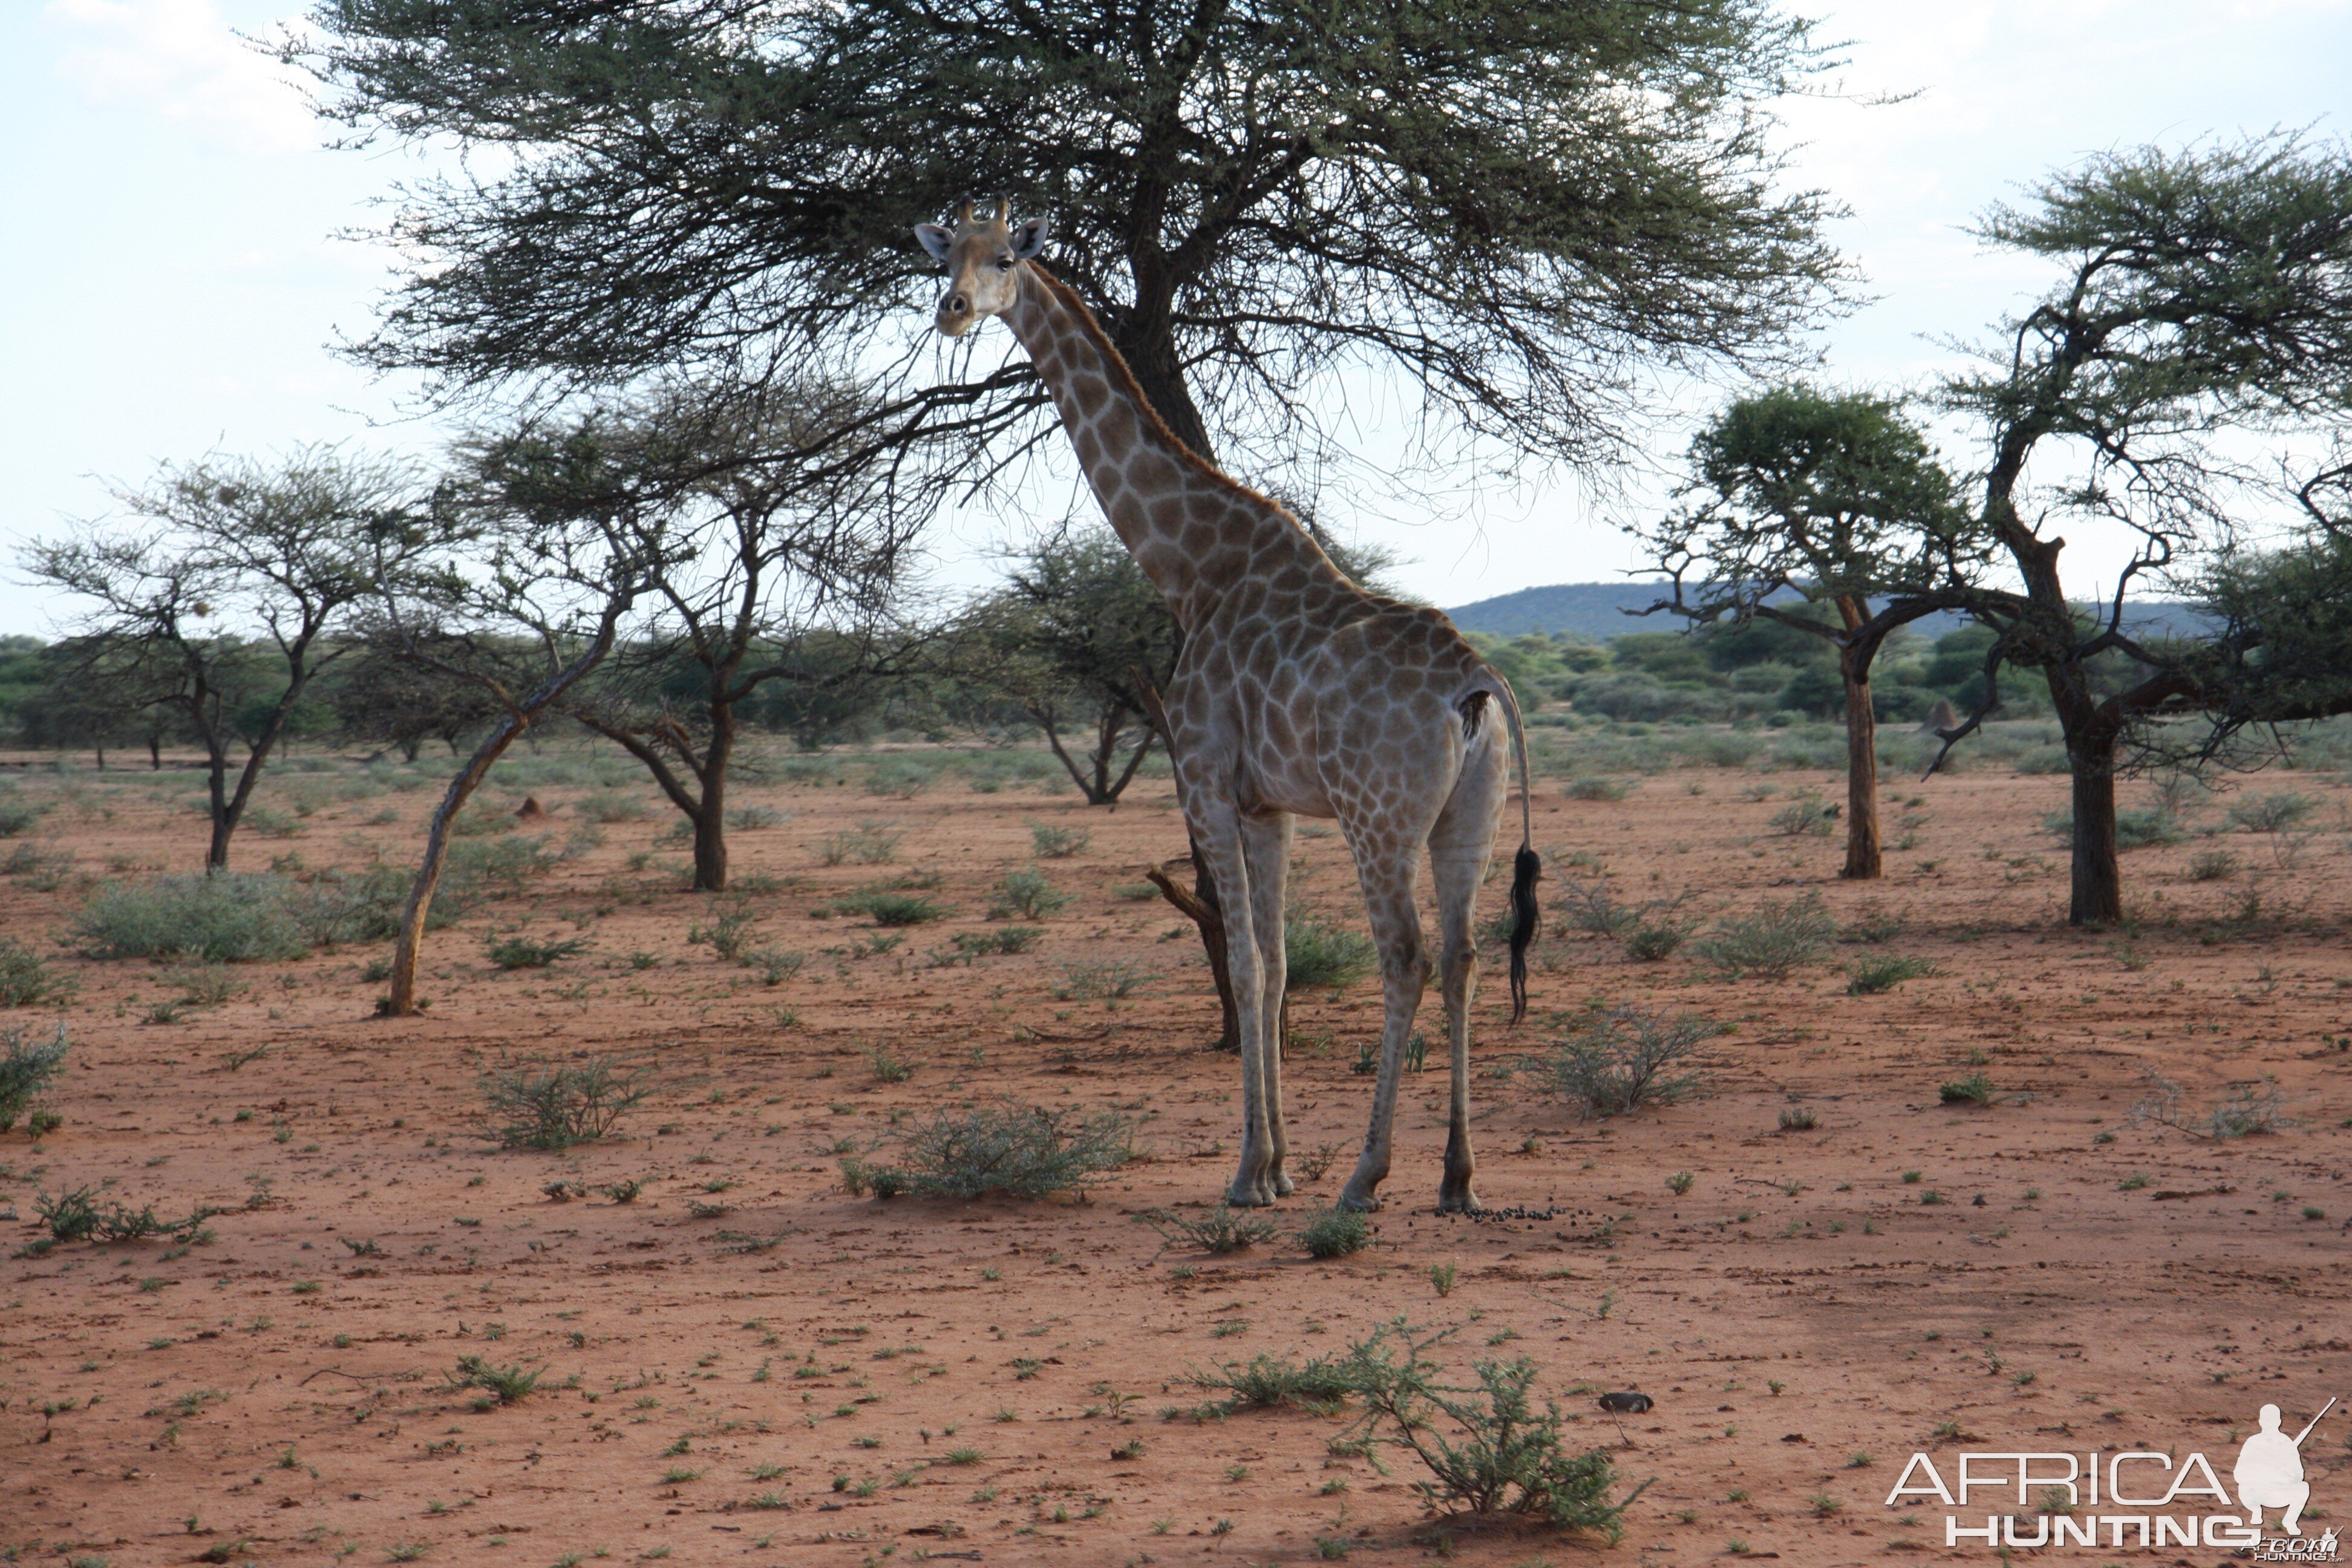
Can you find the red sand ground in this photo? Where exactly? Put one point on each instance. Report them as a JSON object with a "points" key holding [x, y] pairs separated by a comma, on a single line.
{"points": [[1804, 1317]]}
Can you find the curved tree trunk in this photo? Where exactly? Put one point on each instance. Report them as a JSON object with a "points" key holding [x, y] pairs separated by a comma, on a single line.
{"points": [[2097, 894], [408, 947]]}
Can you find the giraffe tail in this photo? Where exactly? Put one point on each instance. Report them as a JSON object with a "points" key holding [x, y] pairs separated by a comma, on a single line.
{"points": [[1527, 866]]}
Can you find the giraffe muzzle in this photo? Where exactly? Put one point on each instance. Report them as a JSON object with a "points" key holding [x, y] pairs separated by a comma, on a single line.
{"points": [[954, 316]]}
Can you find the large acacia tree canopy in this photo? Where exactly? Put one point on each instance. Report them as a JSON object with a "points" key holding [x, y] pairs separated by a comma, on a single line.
{"points": [[1515, 205]]}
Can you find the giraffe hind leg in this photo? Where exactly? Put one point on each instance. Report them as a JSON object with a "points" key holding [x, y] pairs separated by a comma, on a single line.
{"points": [[1460, 847], [1388, 880]]}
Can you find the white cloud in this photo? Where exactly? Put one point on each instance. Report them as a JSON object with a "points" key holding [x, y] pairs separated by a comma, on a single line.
{"points": [[179, 60]]}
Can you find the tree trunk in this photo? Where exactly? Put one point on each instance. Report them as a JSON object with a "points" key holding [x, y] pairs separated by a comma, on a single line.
{"points": [[216, 795], [2098, 882], [409, 946], [155, 753], [1864, 858], [1201, 908]]}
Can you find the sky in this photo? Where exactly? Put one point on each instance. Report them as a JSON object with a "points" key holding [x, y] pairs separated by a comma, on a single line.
{"points": [[182, 251]]}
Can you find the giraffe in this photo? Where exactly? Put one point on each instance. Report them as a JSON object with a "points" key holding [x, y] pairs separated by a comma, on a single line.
{"points": [[1297, 694]]}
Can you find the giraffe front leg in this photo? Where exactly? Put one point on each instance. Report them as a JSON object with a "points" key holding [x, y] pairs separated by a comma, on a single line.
{"points": [[1217, 837]]}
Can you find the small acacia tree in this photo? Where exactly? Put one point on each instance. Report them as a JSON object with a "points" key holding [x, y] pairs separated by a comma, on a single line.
{"points": [[2204, 297], [1070, 639], [230, 584], [753, 542], [1809, 498]]}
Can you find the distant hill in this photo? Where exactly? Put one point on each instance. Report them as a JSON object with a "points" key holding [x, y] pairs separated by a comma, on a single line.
{"points": [[1596, 611]]}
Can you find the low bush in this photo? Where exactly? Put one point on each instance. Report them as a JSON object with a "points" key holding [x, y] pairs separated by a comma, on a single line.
{"points": [[1804, 814], [728, 931], [890, 909], [1884, 971], [1005, 939], [1316, 954], [611, 806], [26, 1066], [26, 978], [1596, 789], [1023, 1151], [1027, 893], [1504, 1456], [227, 918], [18, 815], [524, 952], [870, 843], [2145, 827], [1052, 843], [1655, 941], [1619, 1061], [1974, 1089], [1773, 941], [1591, 907], [500, 1384], [1223, 1230], [2271, 813], [1335, 1232], [559, 1107], [2212, 866], [1102, 979], [1270, 1381], [753, 817]]}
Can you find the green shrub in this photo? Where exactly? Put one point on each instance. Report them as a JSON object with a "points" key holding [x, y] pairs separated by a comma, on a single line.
{"points": [[1619, 1061], [1596, 789], [610, 805], [1318, 954], [1335, 1232], [1504, 1458], [522, 952], [17, 815], [1773, 941], [1052, 843], [776, 965], [489, 869], [729, 930], [2271, 813], [871, 843], [1028, 893], [480, 819], [1884, 971], [228, 917], [752, 817], [26, 1070], [2146, 827], [1270, 1381], [1025, 1151], [1655, 941], [1005, 939], [2212, 866], [891, 909], [1806, 814], [559, 1107], [502, 1385], [1591, 906], [1102, 979], [1974, 1089], [1221, 1231], [26, 979]]}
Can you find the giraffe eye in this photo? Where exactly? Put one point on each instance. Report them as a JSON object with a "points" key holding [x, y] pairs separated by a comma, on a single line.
{"points": [[1004, 264]]}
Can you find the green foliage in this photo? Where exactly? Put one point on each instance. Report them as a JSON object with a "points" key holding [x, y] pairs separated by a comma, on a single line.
{"points": [[26, 978], [1335, 1232], [228, 917], [521, 951], [1028, 893], [2273, 813], [2147, 827], [729, 930], [1805, 815], [558, 1107], [1655, 941], [503, 1384], [1596, 789], [1317, 953], [1616, 1061], [893, 909], [1773, 941], [1102, 979], [1222, 1230], [1884, 971], [1050, 842], [18, 815], [27, 1068], [1023, 1151], [1271, 1381], [1502, 1457], [870, 843], [1974, 1089], [1005, 939]]}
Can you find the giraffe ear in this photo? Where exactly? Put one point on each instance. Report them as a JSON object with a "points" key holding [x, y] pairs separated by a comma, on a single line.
{"points": [[1030, 237], [933, 238]]}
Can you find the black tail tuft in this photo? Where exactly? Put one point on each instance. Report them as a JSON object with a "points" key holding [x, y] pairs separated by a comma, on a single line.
{"points": [[1526, 867]]}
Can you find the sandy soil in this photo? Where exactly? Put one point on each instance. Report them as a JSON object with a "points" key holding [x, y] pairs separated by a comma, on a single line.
{"points": [[722, 1388]]}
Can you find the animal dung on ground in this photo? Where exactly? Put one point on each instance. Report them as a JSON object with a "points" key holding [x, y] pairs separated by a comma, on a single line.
{"points": [[1627, 1404]]}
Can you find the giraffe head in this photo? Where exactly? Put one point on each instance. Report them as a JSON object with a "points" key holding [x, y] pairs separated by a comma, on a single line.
{"points": [[983, 257]]}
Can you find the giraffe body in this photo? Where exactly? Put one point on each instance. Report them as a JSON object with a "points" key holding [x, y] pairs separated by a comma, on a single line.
{"points": [[1298, 694]]}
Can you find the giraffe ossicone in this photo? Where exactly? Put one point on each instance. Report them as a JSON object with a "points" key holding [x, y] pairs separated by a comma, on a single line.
{"points": [[1297, 694]]}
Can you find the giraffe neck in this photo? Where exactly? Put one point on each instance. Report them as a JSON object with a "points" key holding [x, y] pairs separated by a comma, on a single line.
{"points": [[1197, 534]]}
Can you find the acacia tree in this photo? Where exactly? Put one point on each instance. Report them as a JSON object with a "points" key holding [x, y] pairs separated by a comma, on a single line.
{"points": [[749, 547], [532, 604], [230, 582], [2204, 299], [1514, 206], [1069, 637], [1809, 498]]}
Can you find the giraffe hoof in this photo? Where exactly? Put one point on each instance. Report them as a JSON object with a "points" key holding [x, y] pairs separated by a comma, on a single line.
{"points": [[1366, 1202], [1283, 1185], [1248, 1195], [1462, 1202]]}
